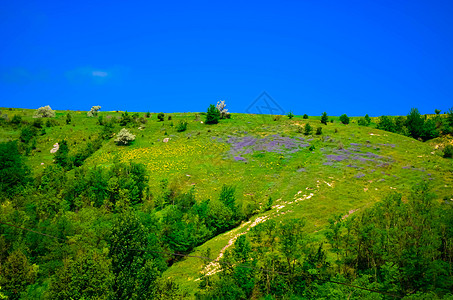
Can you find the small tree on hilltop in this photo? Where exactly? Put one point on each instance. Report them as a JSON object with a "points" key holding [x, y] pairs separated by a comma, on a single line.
{"points": [[161, 116], [308, 129], [213, 115], [305, 116], [290, 115], [94, 111], [324, 118], [124, 137], [344, 119], [367, 119], [224, 114], [44, 112]]}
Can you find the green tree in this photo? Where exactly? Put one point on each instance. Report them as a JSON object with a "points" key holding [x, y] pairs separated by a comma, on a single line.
{"points": [[62, 155], [367, 119], [305, 116], [14, 173], [308, 129], [324, 118], [344, 119], [161, 116], [213, 115], [415, 123], [290, 115], [68, 118], [16, 273]]}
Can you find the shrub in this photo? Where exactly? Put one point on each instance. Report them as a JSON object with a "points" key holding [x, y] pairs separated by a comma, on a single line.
{"points": [[308, 129], [437, 111], [290, 115], [124, 137], [414, 123], [367, 119], [224, 114], [14, 173], [311, 148], [62, 155], [169, 118], [16, 120], [213, 115], [448, 151], [305, 116], [276, 117], [386, 123], [126, 119], [319, 131], [68, 118], [27, 133], [161, 116], [94, 111], [344, 119], [182, 126], [44, 112], [324, 118], [362, 122], [148, 114]]}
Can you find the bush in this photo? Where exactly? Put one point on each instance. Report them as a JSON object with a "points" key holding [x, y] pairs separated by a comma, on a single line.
{"points": [[161, 116], [305, 116], [276, 117], [94, 111], [367, 119], [362, 122], [437, 111], [224, 114], [148, 114], [16, 120], [124, 137], [126, 119], [324, 118], [344, 119], [68, 118], [308, 129], [448, 151], [14, 173], [44, 112], [290, 115], [386, 123], [169, 118], [213, 115], [319, 131], [182, 126]]}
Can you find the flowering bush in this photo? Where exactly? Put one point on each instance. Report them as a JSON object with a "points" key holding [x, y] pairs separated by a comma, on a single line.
{"points": [[44, 112], [94, 111], [124, 137]]}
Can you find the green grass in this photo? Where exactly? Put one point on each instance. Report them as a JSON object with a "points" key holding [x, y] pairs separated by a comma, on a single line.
{"points": [[194, 157]]}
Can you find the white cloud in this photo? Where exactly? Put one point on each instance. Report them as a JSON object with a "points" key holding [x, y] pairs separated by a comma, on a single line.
{"points": [[99, 73]]}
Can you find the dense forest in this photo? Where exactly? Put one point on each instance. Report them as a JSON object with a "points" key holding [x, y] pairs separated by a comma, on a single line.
{"points": [[79, 229]]}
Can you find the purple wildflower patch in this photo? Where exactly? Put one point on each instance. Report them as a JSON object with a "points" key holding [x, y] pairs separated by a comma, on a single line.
{"points": [[359, 175]]}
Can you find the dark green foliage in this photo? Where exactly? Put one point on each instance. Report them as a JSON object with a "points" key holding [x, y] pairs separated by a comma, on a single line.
{"points": [[16, 273], [62, 155], [148, 115], [16, 120], [51, 123], [344, 119], [160, 116], [386, 123], [135, 264], [437, 111], [290, 115], [311, 148], [228, 198], [68, 118], [324, 118], [169, 118], [213, 115], [14, 173], [448, 151], [182, 126], [414, 124], [367, 119], [450, 117], [308, 129], [362, 122], [305, 116], [28, 133], [319, 131], [101, 120], [38, 123], [108, 129], [126, 119]]}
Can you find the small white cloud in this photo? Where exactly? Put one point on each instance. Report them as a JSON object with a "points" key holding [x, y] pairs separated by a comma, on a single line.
{"points": [[99, 73]]}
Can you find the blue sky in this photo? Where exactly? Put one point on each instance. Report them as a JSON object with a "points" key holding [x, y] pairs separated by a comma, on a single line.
{"points": [[354, 57]]}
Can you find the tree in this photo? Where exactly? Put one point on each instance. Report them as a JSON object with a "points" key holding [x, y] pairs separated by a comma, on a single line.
{"points": [[414, 123], [14, 173], [161, 116], [124, 137], [182, 126], [68, 118], [305, 116], [62, 155], [94, 111], [213, 115], [324, 118], [386, 123], [44, 112], [437, 111], [319, 131], [224, 114], [344, 119], [290, 115], [367, 119], [308, 129]]}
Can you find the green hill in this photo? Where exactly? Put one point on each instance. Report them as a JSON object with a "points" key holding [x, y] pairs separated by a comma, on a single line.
{"points": [[253, 169]]}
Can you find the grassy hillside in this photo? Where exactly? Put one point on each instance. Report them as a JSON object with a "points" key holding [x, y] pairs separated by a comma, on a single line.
{"points": [[344, 170]]}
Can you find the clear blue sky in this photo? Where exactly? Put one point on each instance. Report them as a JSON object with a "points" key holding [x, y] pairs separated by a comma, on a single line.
{"points": [[354, 57]]}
